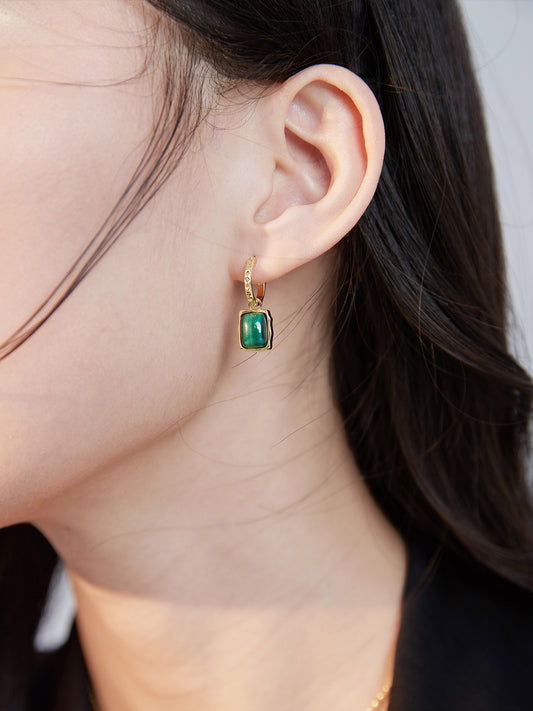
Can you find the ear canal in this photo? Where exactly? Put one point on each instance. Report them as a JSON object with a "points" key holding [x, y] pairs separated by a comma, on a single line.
{"points": [[312, 164], [305, 174], [302, 179]]}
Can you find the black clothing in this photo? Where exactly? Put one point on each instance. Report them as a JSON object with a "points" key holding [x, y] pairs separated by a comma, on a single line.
{"points": [[465, 644]]}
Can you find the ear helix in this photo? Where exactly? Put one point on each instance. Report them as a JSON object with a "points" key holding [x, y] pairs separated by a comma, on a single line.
{"points": [[255, 324]]}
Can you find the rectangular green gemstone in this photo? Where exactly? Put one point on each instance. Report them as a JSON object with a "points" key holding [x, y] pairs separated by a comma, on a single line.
{"points": [[254, 330]]}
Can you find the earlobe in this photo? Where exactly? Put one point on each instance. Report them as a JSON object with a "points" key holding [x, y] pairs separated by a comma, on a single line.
{"points": [[327, 137]]}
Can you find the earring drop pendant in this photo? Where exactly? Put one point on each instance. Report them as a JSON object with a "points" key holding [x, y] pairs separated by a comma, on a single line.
{"points": [[255, 323]]}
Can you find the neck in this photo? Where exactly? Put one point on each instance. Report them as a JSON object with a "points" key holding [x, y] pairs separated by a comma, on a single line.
{"points": [[230, 565]]}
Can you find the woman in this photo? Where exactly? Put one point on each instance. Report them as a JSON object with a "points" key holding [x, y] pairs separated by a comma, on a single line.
{"points": [[293, 509]]}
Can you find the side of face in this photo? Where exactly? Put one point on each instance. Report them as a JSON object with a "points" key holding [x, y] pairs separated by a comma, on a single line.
{"points": [[138, 345], [148, 338]]}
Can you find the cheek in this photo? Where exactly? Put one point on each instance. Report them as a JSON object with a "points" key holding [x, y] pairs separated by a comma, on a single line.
{"points": [[136, 347], [67, 153], [132, 351]]}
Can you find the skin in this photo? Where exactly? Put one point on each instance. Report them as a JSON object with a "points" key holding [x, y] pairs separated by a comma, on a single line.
{"points": [[223, 548]]}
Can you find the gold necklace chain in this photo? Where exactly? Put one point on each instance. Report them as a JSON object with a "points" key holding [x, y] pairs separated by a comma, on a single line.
{"points": [[377, 700], [374, 704]]}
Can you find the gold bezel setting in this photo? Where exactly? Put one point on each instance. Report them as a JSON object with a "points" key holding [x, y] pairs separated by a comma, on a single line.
{"points": [[270, 330]]}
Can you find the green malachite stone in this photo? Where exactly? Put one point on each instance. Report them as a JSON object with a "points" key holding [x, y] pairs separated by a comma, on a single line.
{"points": [[254, 330]]}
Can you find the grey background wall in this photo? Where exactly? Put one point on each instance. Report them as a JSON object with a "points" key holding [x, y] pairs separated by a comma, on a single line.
{"points": [[501, 34]]}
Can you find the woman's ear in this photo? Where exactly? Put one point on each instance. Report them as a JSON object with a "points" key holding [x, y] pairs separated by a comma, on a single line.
{"points": [[323, 133]]}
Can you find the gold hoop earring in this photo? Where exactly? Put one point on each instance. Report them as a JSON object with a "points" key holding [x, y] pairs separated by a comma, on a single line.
{"points": [[255, 324]]}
